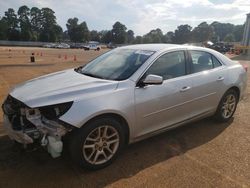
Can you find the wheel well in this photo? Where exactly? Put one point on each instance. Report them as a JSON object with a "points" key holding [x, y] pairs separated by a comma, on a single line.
{"points": [[119, 118], [237, 90]]}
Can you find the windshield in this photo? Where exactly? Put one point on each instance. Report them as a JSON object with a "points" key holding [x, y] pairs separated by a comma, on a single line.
{"points": [[118, 64]]}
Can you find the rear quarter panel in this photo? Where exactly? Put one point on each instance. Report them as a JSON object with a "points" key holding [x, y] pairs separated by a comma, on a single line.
{"points": [[237, 76]]}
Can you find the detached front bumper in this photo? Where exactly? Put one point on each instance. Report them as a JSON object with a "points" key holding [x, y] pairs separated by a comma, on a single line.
{"points": [[18, 136], [29, 125]]}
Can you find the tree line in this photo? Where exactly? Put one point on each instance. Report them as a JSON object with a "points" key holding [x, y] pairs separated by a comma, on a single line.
{"points": [[34, 24]]}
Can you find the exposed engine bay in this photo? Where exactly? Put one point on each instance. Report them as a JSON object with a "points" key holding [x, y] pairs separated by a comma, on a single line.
{"points": [[36, 125]]}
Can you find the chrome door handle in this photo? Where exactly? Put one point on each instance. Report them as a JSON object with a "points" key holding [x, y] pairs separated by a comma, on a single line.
{"points": [[185, 88], [220, 78]]}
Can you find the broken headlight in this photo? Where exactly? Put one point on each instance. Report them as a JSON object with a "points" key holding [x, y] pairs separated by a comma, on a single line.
{"points": [[52, 112]]}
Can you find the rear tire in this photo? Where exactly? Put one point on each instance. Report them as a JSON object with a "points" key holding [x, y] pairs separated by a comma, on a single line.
{"points": [[227, 106], [97, 144]]}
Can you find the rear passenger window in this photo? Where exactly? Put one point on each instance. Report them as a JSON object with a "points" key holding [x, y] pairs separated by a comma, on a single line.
{"points": [[170, 65], [202, 61]]}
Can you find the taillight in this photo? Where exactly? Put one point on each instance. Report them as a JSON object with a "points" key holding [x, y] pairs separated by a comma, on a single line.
{"points": [[245, 67]]}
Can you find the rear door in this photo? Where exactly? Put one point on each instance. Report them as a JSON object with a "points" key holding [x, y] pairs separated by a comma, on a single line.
{"points": [[208, 81]]}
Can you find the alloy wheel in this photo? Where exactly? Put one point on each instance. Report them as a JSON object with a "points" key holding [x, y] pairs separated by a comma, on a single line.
{"points": [[228, 106], [101, 144]]}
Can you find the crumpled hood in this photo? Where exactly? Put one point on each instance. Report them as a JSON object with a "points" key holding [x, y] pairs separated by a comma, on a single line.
{"points": [[59, 87]]}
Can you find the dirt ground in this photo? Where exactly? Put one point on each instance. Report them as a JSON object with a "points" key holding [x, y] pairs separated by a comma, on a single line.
{"points": [[202, 154]]}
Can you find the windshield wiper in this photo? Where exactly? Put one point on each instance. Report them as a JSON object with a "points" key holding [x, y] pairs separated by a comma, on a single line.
{"points": [[78, 69], [92, 75]]}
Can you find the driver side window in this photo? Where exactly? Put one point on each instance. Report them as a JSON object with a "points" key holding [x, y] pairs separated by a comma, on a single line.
{"points": [[169, 65]]}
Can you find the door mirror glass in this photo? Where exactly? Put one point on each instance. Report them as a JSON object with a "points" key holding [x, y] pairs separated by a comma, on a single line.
{"points": [[152, 79]]}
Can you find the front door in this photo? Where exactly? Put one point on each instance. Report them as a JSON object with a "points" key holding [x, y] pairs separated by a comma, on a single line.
{"points": [[160, 106]]}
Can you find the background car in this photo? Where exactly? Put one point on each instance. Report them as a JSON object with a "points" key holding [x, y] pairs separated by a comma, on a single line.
{"points": [[62, 46], [121, 97], [220, 47], [92, 47], [50, 45], [77, 45]]}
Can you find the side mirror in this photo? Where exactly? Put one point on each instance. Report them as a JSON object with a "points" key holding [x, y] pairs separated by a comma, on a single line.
{"points": [[152, 79]]}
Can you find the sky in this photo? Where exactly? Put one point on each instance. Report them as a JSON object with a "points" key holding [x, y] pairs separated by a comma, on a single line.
{"points": [[140, 15]]}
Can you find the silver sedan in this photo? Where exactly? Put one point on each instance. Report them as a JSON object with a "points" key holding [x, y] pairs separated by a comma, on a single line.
{"points": [[123, 96]]}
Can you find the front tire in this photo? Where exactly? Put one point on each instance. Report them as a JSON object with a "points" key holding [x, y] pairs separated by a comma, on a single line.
{"points": [[97, 144], [227, 106]]}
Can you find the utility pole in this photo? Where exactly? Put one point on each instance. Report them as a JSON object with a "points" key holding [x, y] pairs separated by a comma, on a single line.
{"points": [[246, 35]]}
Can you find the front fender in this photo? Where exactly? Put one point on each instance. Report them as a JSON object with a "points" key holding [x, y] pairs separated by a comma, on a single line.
{"points": [[120, 102]]}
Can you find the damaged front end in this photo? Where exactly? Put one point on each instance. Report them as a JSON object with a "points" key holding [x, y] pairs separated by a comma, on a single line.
{"points": [[36, 125]]}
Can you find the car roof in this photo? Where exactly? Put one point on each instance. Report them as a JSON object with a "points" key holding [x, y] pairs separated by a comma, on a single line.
{"points": [[164, 47], [152, 47]]}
